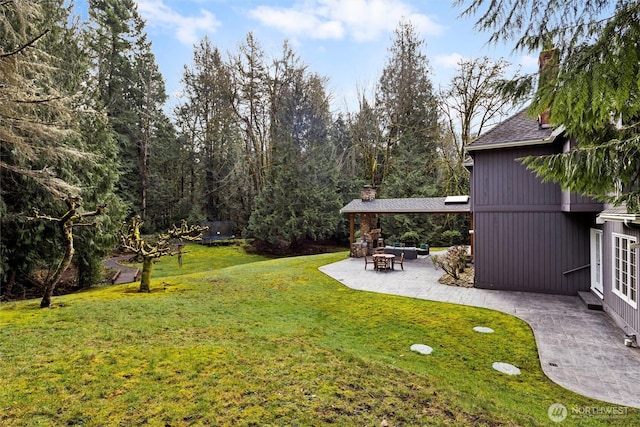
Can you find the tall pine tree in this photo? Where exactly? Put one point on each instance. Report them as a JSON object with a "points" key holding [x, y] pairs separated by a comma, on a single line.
{"points": [[300, 199], [54, 143], [208, 120], [408, 111], [131, 91]]}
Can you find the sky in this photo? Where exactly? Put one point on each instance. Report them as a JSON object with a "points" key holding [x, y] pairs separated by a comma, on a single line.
{"points": [[346, 41]]}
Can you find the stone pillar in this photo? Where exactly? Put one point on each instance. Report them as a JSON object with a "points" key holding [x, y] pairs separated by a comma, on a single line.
{"points": [[368, 193]]}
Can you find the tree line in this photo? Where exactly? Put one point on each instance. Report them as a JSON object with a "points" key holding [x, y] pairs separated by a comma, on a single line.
{"points": [[253, 139]]}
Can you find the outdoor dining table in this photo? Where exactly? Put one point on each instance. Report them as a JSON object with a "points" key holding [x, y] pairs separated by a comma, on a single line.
{"points": [[387, 259]]}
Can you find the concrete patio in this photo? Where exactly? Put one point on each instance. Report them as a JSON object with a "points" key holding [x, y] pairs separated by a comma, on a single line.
{"points": [[580, 349]]}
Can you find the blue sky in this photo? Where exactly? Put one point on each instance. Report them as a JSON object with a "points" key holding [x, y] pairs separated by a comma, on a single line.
{"points": [[344, 40]]}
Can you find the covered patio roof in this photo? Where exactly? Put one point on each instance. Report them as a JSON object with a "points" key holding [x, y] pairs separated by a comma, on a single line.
{"points": [[428, 205], [434, 205]]}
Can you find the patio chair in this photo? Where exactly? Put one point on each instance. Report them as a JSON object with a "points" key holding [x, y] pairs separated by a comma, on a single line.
{"points": [[368, 261], [380, 264], [400, 261]]}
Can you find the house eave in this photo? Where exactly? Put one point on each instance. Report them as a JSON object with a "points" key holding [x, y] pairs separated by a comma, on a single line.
{"points": [[611, 217], [513, 144], [432, 205]]}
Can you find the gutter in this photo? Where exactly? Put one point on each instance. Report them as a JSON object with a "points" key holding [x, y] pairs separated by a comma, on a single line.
{"points": [[625, 218], [511, 144]]}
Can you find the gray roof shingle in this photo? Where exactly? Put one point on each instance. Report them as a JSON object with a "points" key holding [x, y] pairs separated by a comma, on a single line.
{"points": [[619, 211], [517, 130], [412, 205]]}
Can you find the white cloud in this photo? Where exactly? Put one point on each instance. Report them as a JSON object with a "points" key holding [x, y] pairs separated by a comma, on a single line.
{"points": [[298, 22], [449, 61], [529, 62], [363, 20], [186, 28]]}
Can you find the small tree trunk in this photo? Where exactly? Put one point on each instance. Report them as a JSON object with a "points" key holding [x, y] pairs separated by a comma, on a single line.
{"points": [[8, 290], [66, 223], [67, 234], [145, 278]]}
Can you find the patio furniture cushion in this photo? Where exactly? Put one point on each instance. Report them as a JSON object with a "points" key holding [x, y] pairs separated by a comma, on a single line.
{"points": [[409, 252]]}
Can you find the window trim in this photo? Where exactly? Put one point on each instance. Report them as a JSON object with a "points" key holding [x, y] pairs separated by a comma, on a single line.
{"points": [[630, 271], [596, 247]]}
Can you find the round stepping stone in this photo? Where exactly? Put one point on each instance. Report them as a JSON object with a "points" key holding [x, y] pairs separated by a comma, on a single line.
{"points": [[421, 348], [483, 330], [506, 368]]}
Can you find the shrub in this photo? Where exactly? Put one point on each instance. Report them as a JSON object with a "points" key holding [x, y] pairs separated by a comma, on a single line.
{"points": [[453, 262], [452, 237], [410, 238]]}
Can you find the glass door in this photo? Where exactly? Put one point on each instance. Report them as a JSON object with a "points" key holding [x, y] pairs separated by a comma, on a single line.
{"points": [[596, 262]]}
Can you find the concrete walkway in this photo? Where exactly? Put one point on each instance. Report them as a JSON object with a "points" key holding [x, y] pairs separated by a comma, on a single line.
{"points": [[580, 349]]}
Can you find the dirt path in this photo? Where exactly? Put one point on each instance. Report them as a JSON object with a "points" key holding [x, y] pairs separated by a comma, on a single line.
{"points": [[126, 274]]}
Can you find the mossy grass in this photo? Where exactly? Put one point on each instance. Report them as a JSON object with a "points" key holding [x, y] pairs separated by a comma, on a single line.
{"points": [[200, 259], [270, 342]]}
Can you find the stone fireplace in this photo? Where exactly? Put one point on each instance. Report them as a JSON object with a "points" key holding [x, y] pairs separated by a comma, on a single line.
{"points": [[369, 233]]}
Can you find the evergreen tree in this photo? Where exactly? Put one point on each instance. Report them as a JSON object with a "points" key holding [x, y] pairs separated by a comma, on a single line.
{"points": [[99, 176], [168, 202], [131, 91], [366, 133], [595, 94], [148, 97], [408, 111], [300, 200], [52, 147], [346, 150], [110, 41], [349, 168], [209, 122], [36, 115], [250, 95]]}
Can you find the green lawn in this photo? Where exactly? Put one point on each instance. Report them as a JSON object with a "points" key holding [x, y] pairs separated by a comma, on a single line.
{"points": [[201, 259], [264, 343]]}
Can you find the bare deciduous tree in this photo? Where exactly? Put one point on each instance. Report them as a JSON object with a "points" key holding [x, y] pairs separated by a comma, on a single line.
{"points": [[66, 222], [473, 101], [147, 251]]}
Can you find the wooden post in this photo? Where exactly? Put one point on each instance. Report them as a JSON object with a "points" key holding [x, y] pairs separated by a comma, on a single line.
{"points": [[352, 228], [472, 234]]}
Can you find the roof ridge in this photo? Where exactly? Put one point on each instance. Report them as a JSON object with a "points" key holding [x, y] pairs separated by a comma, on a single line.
{"points": [[497, 125], [517, 130]]}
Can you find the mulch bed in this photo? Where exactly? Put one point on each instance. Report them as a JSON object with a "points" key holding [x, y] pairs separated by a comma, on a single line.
{"points": [[465, 280]]}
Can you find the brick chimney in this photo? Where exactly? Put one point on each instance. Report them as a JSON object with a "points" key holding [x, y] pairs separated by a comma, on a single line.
{"points": [[368, 193], [548, 70]]}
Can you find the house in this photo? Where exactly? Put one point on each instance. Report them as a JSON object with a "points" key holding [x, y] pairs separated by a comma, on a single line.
{"points": [[614, 256], [532, 236]]}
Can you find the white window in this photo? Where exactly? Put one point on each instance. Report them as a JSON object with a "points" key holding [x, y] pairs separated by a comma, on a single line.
{"points": [[625, 269]]}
